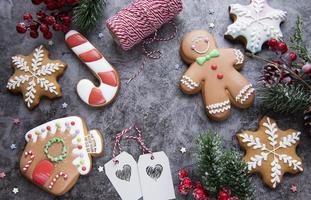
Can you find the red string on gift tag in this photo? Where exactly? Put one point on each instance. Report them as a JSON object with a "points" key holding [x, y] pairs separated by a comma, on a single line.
{"points": [[138, 138]]}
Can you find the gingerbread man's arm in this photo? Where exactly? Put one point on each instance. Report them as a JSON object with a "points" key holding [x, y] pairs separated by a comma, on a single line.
{"points": [[235, 57], [191, 81]]}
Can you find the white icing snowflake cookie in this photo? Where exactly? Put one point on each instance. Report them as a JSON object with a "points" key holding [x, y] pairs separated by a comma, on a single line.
{"points": [[256, 23], [36, 75], [271, 151]]}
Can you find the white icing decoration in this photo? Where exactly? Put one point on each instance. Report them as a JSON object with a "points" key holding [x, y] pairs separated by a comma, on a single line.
{"points": [[257, 22], [219, 107], [34, 75], [245, 93], [272, 150], [78, 131], [187, 81], [85, 86], [239, 57]]}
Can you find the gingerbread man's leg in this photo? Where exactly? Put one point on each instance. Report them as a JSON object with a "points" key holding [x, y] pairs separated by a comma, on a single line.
{"points": [[241, 92], [217, 102]]}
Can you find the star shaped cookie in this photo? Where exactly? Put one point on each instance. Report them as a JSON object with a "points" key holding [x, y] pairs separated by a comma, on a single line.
{"points": [[255, 24], [271, 151], [36, 75]]}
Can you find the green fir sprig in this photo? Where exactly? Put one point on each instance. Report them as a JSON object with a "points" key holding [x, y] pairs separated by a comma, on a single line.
{"points": [[223, 168], [287, 99], [87, 13], [298, 42]]}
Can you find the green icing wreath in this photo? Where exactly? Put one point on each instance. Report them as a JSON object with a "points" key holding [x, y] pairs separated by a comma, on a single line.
{"points": [[63, 154]]}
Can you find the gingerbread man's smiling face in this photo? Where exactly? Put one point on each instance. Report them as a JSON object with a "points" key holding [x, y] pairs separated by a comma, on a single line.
{"points": [[197, 44]]}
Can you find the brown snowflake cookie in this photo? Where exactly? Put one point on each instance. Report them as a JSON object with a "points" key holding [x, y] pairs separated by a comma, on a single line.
{"points": [[58, 151], [35, 76], [213, 72], [271, 151]]}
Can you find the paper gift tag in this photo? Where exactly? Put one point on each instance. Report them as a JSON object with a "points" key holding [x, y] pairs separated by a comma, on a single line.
{"points": [[124, 176], [155, 177]]}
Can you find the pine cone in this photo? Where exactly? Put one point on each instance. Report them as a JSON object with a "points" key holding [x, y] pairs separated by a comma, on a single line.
{"points": [[307, 118], [270, 75]]}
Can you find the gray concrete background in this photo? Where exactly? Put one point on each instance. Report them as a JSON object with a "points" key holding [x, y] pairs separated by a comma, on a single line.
{"points": [[169, 119]]}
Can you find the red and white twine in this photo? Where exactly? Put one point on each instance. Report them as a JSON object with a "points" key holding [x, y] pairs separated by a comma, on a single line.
{"points": [[123, 134], [140, 19], [32, 157], [57, 176]]}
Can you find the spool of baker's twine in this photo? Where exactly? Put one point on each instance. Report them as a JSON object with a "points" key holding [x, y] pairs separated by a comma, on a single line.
{"points": [[141, 19]]}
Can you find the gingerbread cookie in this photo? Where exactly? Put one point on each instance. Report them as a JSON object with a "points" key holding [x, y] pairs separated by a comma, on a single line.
{"points": [[106, 74], [214, 72], [58, 151], [271, 151], [35, 76], [255, 24]]}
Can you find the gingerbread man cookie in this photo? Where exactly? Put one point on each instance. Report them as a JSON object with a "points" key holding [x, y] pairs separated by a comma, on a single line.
{"points": [[271, 151], [255, 24], [58, 151], [106, 74], [214, 72], [35, 76]]}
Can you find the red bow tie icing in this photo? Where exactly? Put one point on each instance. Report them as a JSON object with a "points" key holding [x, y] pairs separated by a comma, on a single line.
{"points": [[106, 74]]}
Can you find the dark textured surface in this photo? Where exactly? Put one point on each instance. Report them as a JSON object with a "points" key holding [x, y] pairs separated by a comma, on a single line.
{"points": [[169, 119]]}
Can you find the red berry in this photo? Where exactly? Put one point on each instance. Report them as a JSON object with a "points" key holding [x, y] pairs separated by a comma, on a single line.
{"points": [[57, 27], [306, 68], [50, 20], [27, 16], [183, 173], [65, 29], [36, 2], [34, 34], [222, 195], [51, 6], [41, 14], [21, 28], [282, 47], [187, 183], [198, 185], [292, 56], [198, 194], [182, 190], [66, 20], [44, 28], [47, 35], [272, 43]]}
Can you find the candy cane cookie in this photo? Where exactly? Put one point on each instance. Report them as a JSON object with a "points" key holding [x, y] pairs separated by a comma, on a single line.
{"points": [[105, 73]]}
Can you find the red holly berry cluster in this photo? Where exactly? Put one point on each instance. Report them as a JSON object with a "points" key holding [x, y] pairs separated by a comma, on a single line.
{"points": [[225, 194], [186, 185], [55, 4], [57, 21]]}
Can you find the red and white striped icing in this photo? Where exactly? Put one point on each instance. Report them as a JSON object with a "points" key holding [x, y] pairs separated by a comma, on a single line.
{"points": [[32, 157], [106, 74], [57, 176]]}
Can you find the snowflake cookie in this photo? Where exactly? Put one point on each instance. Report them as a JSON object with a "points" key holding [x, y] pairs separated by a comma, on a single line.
{"points": [[271, 151], [255, 24], [35, 76]]}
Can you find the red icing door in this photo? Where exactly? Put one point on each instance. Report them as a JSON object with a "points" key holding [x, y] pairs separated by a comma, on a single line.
{"points": [[42, 172]]}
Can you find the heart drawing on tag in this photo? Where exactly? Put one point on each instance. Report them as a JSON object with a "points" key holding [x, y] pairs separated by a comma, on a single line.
{"points": [[154, 172], [125, 173]]}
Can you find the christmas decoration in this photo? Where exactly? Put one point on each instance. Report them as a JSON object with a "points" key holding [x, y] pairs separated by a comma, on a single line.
{"points": [[286, 80], [2, 175], [186, 185], [293, 188], [15, 190], [223, 169], [87, 13], [83, 13]]}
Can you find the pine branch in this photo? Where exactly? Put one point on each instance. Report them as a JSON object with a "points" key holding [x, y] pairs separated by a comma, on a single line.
{"points": [[209, 160], [87, 13], [219, 168], [287, 99], [298, 42], [236, 176]]}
